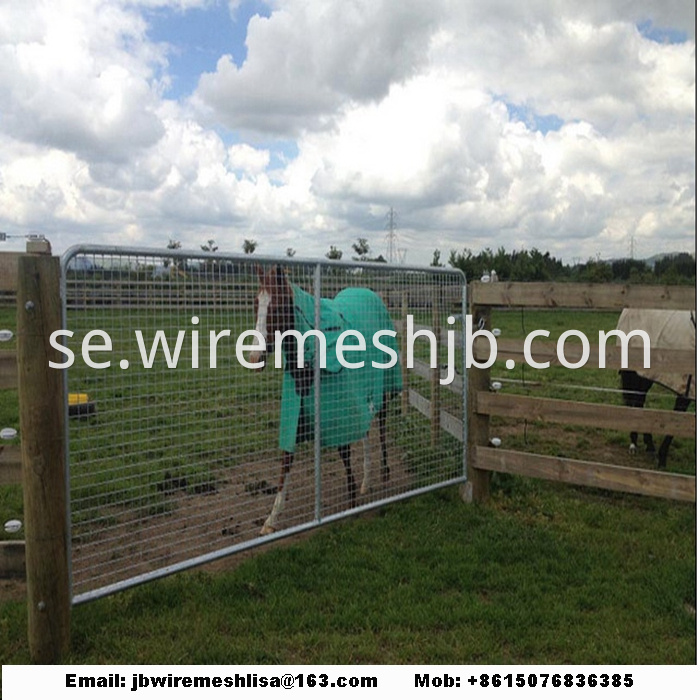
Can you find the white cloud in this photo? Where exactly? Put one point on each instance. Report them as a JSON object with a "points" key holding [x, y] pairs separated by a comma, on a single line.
{"points": [[251, 161], [79, 77], [430, 108], [307, 60]]}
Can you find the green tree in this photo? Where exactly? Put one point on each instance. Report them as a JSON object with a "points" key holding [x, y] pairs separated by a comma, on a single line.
{"points": [[249, 246], [595, 271], [172, 245], [517, 266], [675, 269], [362, 249], [334, 253], [436, 259]]}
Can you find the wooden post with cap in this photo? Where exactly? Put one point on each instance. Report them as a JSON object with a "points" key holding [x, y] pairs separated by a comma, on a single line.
{"points": [[42, 416]]}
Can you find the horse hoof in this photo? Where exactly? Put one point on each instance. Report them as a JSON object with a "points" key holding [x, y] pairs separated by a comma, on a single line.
{"points": [[267, 529]]}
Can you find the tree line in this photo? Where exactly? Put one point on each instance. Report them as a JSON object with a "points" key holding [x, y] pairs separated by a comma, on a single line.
{"points": [[535, 266], [529, 265]]}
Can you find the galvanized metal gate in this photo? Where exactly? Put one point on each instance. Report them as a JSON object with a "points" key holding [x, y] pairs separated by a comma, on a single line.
{"points": [[173, 443]]}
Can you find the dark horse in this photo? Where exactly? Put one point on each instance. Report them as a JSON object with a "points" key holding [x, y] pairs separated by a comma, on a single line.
{"points": [[666, 329], [350, 396]]}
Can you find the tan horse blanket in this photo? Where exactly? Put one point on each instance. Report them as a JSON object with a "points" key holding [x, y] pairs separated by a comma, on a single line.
{"points": [[673, 330]]}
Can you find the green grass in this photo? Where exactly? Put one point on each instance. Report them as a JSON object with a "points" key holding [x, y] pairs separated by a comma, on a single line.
{"points": [[587, 384], [11, 505], [543, 574]]}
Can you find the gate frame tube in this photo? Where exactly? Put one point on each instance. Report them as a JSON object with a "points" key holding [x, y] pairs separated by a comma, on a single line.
{"points": [[318, 266]]}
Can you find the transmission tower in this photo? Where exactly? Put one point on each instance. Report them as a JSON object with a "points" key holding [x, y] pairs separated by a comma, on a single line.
{"points": [[391, 237]]}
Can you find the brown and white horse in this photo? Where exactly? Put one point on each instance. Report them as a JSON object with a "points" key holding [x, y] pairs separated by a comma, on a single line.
{"points": [[279, 308]]}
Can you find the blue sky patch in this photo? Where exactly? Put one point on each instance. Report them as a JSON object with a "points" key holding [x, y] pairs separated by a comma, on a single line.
{"points": [[534, 122], [199, 37], [661, 35], [282, 151]]}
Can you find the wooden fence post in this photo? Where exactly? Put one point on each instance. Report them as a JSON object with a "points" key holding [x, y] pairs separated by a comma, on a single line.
{"points": [[478, 485], [43, 458]]}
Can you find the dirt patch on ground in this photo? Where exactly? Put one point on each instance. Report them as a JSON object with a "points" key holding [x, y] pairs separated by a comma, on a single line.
{"points": [[13, 589], [190, 522]]}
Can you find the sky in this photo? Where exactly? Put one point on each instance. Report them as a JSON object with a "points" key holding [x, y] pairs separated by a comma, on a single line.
{"points": [[560, 125]]}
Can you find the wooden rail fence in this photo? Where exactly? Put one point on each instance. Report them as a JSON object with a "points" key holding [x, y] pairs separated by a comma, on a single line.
{"points": [[483, 403], [39, 462]]}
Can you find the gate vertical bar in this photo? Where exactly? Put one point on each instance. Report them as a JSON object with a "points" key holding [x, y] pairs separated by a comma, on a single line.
{"points": [[404, 353], [41, 401], [317, 391], [66, 440], [435, 371]]}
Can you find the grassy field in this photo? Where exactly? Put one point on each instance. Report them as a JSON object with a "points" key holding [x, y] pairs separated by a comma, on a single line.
{"points": [[543, 573]]}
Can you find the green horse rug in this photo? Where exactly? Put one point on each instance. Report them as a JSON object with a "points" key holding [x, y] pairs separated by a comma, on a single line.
{"points": [[350, 397]]}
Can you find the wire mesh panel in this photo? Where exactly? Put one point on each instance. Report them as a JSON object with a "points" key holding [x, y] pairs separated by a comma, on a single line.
{"points": [[220, 401]]}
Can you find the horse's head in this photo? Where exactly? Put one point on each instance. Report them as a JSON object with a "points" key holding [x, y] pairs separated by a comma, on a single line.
{"points": [[274, 308]]}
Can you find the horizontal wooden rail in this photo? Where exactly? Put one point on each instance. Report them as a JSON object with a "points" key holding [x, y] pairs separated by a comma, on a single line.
{"points": [[448, 422], [612, 297], [546, 351], [591, 415], [8, 299], [594, 474], [8, 369], [12, 559], [423, 370], [10, 465], [8, 272]]}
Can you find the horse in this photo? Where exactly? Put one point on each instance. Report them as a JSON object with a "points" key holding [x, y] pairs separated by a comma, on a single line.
{"points": [[350, 397], [666, 329]]}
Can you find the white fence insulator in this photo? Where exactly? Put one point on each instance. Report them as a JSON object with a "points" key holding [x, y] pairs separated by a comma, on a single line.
{"points": [[13, 526]]}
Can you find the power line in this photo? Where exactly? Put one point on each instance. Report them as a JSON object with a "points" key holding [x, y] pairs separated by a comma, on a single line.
{"points": [[391, 237]]}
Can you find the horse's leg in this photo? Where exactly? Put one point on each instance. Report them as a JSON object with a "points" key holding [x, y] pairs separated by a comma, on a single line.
{"points": [[344, 451], [681, 405], [366, 484], [367, 466], [381, 419], [634, 394], [270, 525]]}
